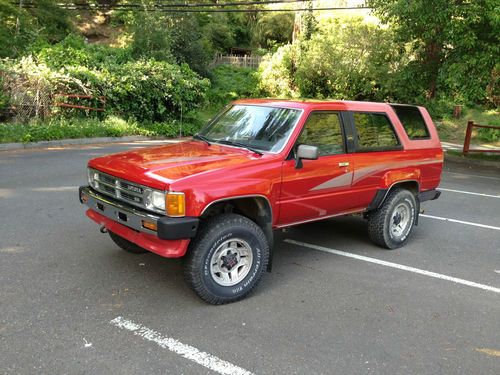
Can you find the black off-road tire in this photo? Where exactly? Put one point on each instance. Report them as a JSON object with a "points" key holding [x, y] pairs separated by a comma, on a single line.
{"points": [[126, 245], [213, 234], [379, 220]]}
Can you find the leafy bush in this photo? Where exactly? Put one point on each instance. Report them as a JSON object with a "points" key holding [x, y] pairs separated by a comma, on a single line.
{"points": [[276, 73], [230, 83], [344, 59], [439, 108], [488, 135], [147, 90], [154, 90], [491, 117], [73, 51]]}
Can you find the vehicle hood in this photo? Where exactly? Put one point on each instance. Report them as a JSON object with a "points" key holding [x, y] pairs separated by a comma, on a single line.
{"points": [[159, 166]]}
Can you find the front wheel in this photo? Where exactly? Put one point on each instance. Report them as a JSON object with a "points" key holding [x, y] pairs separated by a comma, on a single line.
{"points": [[227, 259], [390, 225]]}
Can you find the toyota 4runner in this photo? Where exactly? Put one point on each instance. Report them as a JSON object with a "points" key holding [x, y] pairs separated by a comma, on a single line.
{"points": [[262, 165]]}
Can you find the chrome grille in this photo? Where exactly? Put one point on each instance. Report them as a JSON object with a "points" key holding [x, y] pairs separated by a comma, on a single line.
{"points": [[120, 189]]}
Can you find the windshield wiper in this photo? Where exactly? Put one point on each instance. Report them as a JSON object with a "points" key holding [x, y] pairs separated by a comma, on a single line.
{"points": [[202, 138], [239, 144]]}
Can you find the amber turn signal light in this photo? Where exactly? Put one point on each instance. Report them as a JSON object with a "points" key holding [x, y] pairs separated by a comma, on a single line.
{"points": [[149, 225], [176, 204]]}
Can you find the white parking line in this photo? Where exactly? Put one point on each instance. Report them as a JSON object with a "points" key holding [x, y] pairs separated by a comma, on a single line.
{"points": [[460, 221], [395, 265], [470, 193], [473, 175], [189, 352]]}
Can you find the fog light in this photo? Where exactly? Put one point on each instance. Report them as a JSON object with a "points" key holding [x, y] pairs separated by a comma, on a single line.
{"points": [[85, 198]]}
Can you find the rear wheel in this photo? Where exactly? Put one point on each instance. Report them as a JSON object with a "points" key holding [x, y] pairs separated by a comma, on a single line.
{"points": [[126, 244], [227, 259], [390, 225]]}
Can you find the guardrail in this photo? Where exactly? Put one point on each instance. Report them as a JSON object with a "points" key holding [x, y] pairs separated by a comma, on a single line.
{"points": [[102, 99], [468, 136]]}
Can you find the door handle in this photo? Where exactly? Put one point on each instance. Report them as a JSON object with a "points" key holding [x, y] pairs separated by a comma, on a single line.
{"points": [[344, 164]]}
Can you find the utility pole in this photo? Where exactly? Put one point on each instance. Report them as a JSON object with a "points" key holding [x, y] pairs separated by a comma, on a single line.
{"points": [[297, 23]]}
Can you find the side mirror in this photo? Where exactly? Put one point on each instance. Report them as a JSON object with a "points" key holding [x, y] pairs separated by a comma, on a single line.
{"points": [[305, 152]]}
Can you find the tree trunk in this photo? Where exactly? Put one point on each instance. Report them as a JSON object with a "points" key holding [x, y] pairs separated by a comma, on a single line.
{"points": [[432, 62]]}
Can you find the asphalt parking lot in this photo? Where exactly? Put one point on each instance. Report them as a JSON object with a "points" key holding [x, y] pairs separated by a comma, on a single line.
{"points": [[71, 302]]}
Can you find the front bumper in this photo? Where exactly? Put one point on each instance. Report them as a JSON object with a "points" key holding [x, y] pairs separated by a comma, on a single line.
{"points": [[130, 222], [429, 195]]}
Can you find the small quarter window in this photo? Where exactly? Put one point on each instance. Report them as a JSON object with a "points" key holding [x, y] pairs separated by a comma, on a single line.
{"points": [[412, 120], [375, 131], [323, 130]]}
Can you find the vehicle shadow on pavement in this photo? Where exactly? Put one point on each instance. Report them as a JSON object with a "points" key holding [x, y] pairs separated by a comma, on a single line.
{"points": [[339, 233], [149, 276]]}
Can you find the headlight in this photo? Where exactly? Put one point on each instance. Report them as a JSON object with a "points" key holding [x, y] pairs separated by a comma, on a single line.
{"points": [[176, 204], [93, 178], [154, 200]]}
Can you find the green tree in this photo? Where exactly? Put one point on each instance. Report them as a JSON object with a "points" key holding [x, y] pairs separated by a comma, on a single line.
{"points": [[20, 28], [11, 42], [188, 44], [454, 44], [274, 29], [151, 36], [308, 22], [52, 22], [345, 58]]}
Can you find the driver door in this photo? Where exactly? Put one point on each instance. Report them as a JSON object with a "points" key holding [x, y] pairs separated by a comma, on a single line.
{"points": [[321, 188]]}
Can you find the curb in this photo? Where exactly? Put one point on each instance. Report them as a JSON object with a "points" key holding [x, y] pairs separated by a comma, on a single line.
{"points": [[468, 162], [79, 141]]}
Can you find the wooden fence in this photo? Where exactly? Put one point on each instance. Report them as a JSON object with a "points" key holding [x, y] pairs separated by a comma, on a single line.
{"points": [[468, 136], [240, 61]]}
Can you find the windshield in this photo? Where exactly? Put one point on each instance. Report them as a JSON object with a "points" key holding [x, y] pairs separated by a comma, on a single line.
{"points": [[257, 127]]}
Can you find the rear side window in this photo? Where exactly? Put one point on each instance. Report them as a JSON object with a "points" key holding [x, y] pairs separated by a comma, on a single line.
{"points": [[412, 121], [375, 132]]}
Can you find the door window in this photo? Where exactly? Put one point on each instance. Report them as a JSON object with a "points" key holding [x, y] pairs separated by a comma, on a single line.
{"points": [[323, 130]]}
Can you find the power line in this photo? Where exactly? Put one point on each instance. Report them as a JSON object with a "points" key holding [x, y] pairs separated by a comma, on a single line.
{"points": [[197, 5], [175, 5], [207, 8]]}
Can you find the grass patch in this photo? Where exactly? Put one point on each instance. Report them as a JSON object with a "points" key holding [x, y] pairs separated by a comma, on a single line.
{"points": [[453, 130], [112, 126], [476, 156]]}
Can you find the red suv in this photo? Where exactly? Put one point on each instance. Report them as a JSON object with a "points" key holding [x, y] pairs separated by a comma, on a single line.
{"points": [[262, 165]]}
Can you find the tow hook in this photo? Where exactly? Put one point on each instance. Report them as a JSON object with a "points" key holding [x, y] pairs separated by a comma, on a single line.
{"points": [[103, 229]]}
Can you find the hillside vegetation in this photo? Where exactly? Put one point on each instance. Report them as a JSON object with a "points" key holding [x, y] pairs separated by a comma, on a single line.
{"points": [[151, 73]]}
